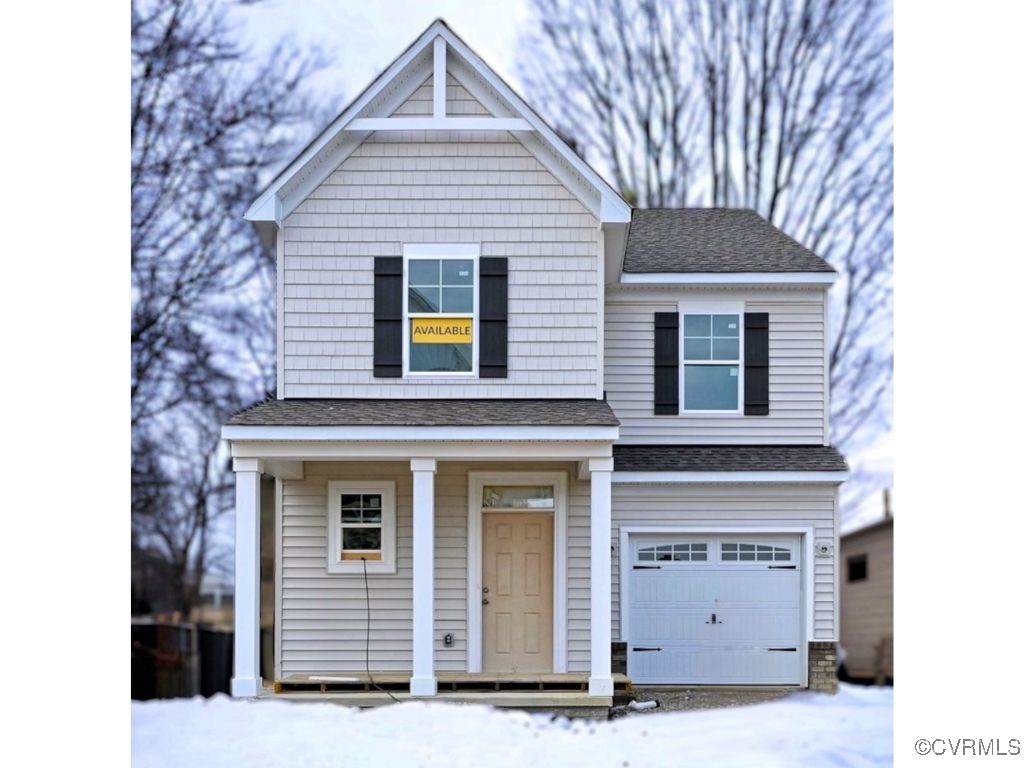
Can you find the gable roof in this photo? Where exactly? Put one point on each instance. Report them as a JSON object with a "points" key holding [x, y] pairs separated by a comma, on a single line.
{"points": [[398, 81], [680, 240]]}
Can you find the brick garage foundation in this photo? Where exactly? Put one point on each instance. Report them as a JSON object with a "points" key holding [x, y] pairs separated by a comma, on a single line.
{"points": [[821, 667]]}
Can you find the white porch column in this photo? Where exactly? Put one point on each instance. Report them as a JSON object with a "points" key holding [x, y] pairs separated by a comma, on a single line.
{"points": [[423, 682], [600, 683], [246, 680]]}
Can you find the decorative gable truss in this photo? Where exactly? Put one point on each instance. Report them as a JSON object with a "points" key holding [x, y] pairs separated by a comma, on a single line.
{"points": [[436, 59]]}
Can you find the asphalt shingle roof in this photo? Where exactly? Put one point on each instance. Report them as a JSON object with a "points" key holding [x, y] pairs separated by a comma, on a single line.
{"points": [[728, 458], [713, 240], [427, 413]]}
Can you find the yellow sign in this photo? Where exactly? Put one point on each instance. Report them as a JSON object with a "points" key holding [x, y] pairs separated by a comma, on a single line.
{"points": [[442, 330]]}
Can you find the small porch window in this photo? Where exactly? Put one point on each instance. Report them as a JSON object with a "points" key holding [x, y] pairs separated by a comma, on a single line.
{"points": [[361, 523]]}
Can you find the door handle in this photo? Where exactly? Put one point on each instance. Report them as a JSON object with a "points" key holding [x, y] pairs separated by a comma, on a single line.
{"points": [[714, 620], [485, 601]]}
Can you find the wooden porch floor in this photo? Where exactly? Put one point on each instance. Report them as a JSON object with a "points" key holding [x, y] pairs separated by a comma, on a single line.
{"points": [[546, 690]]}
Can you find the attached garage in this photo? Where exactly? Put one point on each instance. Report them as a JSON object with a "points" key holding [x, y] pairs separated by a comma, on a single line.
{"points": [[714, 609]]}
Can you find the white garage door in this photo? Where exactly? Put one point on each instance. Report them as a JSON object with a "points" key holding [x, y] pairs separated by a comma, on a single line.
{"points": [[715, 610]]}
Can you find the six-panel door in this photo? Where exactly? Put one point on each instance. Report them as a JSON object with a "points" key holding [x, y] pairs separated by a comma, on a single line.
{"points": [[517, 580]]}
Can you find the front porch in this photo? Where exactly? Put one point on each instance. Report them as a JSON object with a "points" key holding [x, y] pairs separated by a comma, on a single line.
{"points": [[424, 605], [566, 692]]}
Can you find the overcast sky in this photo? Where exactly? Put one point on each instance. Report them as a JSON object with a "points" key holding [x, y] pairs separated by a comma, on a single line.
{"points": [[361, 38]]}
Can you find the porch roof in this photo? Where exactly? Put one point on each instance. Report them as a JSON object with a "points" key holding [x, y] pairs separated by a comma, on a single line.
{"points": [[728, 458], [426, 413]]}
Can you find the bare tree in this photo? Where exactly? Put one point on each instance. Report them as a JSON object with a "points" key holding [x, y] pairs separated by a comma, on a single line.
{"points": [[783, 106], [208, 124]]}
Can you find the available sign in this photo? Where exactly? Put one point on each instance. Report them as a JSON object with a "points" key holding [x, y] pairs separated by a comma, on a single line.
{"points": [[442, 330]]}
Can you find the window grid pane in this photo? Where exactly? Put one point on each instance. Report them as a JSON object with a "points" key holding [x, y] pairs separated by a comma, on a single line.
{"points": [[689, 552], [711, 387], [757, 552], [443, 286]]}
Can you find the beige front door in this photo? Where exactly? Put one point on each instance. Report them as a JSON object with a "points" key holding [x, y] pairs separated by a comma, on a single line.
{"points": [[517, 571]]}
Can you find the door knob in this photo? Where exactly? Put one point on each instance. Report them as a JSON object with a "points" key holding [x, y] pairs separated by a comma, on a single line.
{"points": [[486, 590], [485, 601]]}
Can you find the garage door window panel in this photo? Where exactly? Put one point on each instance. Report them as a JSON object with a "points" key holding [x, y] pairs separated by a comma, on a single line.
{"points": [[747, 552], [684, 552]]}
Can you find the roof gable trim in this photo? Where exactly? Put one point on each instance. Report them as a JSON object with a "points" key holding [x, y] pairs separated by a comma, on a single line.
{"points": [[414, 66]]}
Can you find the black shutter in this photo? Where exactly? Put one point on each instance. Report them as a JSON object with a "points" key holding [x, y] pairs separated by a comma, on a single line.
{"points": [[666, 362], [493, 317], [755, 363], [387, 317]]}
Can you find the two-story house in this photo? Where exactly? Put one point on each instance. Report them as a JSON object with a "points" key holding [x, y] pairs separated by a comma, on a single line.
{"points": [[519, 423]]}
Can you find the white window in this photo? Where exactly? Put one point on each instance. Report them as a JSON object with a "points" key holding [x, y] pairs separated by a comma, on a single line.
{"points": [[441, 309], [361, 526], [712, 349]]}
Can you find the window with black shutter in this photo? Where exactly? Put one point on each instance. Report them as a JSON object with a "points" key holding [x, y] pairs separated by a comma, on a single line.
{"points": [[493, 317], [387, 317], [755, 364], [666, 363]]}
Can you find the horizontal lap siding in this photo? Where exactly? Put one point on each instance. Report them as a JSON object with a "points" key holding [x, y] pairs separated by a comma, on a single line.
{"points": [[422, 187], [724, 506], [323, 616], [578, 567], [796, 375], [867, 606]]}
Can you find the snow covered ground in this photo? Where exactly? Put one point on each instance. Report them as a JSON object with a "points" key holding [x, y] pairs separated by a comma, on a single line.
{"points": [[853, 728]]}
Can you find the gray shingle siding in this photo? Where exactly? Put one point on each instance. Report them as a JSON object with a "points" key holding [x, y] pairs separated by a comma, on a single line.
{"points": [[713, 240], [426, 413], [728, 458]]}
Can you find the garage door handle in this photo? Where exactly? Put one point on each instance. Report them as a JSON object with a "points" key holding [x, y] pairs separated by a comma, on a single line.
{"points": [[643, 650], [782, 567], [783, 649], [646, 567]]}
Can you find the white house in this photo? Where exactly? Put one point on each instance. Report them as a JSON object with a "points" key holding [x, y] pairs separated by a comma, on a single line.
{"points": [[544, 423]]}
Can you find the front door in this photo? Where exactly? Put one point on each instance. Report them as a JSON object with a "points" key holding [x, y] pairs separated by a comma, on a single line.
{"points": [[517, 591]]}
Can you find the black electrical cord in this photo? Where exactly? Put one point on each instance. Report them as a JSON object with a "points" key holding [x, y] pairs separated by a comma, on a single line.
{"points": [[366, 586]]}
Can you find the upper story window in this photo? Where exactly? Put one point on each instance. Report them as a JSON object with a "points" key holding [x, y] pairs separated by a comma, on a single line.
{"points": [[441, 313], [711, 354]]}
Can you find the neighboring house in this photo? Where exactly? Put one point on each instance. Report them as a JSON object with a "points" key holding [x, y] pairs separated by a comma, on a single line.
{"points": [[866, 599], [543, 422]]}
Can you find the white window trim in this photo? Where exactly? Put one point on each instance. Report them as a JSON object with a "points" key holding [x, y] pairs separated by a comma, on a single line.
{"points": [[474, 613], [386, 489], [420, 251], [710, 308]]}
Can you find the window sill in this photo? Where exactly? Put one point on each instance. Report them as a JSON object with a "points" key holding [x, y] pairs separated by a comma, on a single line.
{"points": [[355, 567], [712, 414]]}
